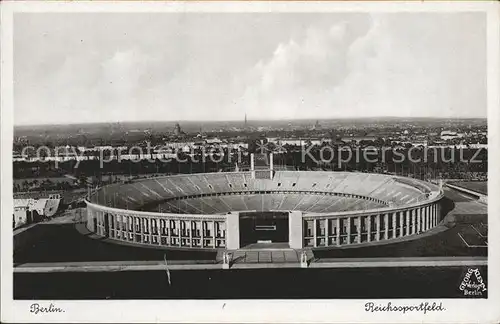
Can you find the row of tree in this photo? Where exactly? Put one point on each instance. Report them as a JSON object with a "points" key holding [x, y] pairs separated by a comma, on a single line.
{"points": [[443, 163]]}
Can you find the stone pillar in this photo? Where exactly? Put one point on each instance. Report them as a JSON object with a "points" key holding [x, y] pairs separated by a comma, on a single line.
{"points": [[119, 224], [111, 226], [134, 230], [413, 221], [191, 233], [434, 215], [426, 214], [327, 231], [408, 227], [431, 217], [98, 223], [125, 226], [156, 226], [377, 223], [252, 166], [369, 229], [394, 229], [426, 218], [315, 234], [150, 223], [423, 219], [214, 243], [131, 228], [122, 226], [169, 230], [203, 224], [429, 213], [360, 223], [103, 224], [419, 219], [232, 231], [179, 237], [348, 230], [386, 226], [89, 219], [141, 228], [401, 224], [338, 231], [295, 231]]}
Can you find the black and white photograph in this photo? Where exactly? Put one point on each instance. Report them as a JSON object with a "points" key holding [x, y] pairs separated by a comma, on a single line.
{"points": [[260, 162]]}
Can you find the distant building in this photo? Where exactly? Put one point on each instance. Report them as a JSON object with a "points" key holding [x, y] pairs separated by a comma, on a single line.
{"points": [[213, 140], [297, 141], [357, 139], [287, 141], [317, 125], [24, 209], [177, 129], [449, 135], [20, 216]]}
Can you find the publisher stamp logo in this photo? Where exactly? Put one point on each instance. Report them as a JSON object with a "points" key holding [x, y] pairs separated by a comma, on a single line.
{"points": [[472, 284]]}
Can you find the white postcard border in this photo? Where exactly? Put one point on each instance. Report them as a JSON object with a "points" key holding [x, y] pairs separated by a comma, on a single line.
{"points": [[457, 310]]}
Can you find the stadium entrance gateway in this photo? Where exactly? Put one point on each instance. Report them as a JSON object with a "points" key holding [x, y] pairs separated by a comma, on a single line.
{"points": [[263, 227]]}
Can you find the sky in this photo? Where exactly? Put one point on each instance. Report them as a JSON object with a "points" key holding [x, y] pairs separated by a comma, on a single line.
{"points": [[117, 67]]}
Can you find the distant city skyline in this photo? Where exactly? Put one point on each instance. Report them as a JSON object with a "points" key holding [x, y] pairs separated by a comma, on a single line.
{"points": [[122, 67], [274, 122]]}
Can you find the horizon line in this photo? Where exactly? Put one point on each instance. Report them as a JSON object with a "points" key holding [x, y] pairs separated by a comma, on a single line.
{"points": [[237, 120]]}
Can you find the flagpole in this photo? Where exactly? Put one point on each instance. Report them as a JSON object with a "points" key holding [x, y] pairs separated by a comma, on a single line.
{"points": [[167, 270]]}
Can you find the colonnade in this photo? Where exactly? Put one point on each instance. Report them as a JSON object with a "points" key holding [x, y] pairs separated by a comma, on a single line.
{"points": [[159, 230], [323, 231], [222, 231]]}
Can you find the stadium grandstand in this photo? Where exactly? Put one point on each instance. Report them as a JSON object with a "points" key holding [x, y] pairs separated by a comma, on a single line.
{"points": [[229, 210]]}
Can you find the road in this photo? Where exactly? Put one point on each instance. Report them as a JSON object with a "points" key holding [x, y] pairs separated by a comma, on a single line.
{"points": [[112, 266]]}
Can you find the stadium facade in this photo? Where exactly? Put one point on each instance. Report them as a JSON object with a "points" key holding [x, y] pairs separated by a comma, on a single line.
{"points": [[230, 210]]}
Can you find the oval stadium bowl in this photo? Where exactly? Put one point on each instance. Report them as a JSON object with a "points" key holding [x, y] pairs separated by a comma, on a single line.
{"points": [[297, 209]]}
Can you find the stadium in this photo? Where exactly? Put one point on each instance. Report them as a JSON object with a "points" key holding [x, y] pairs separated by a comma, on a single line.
{"points": [[264, 207]]}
